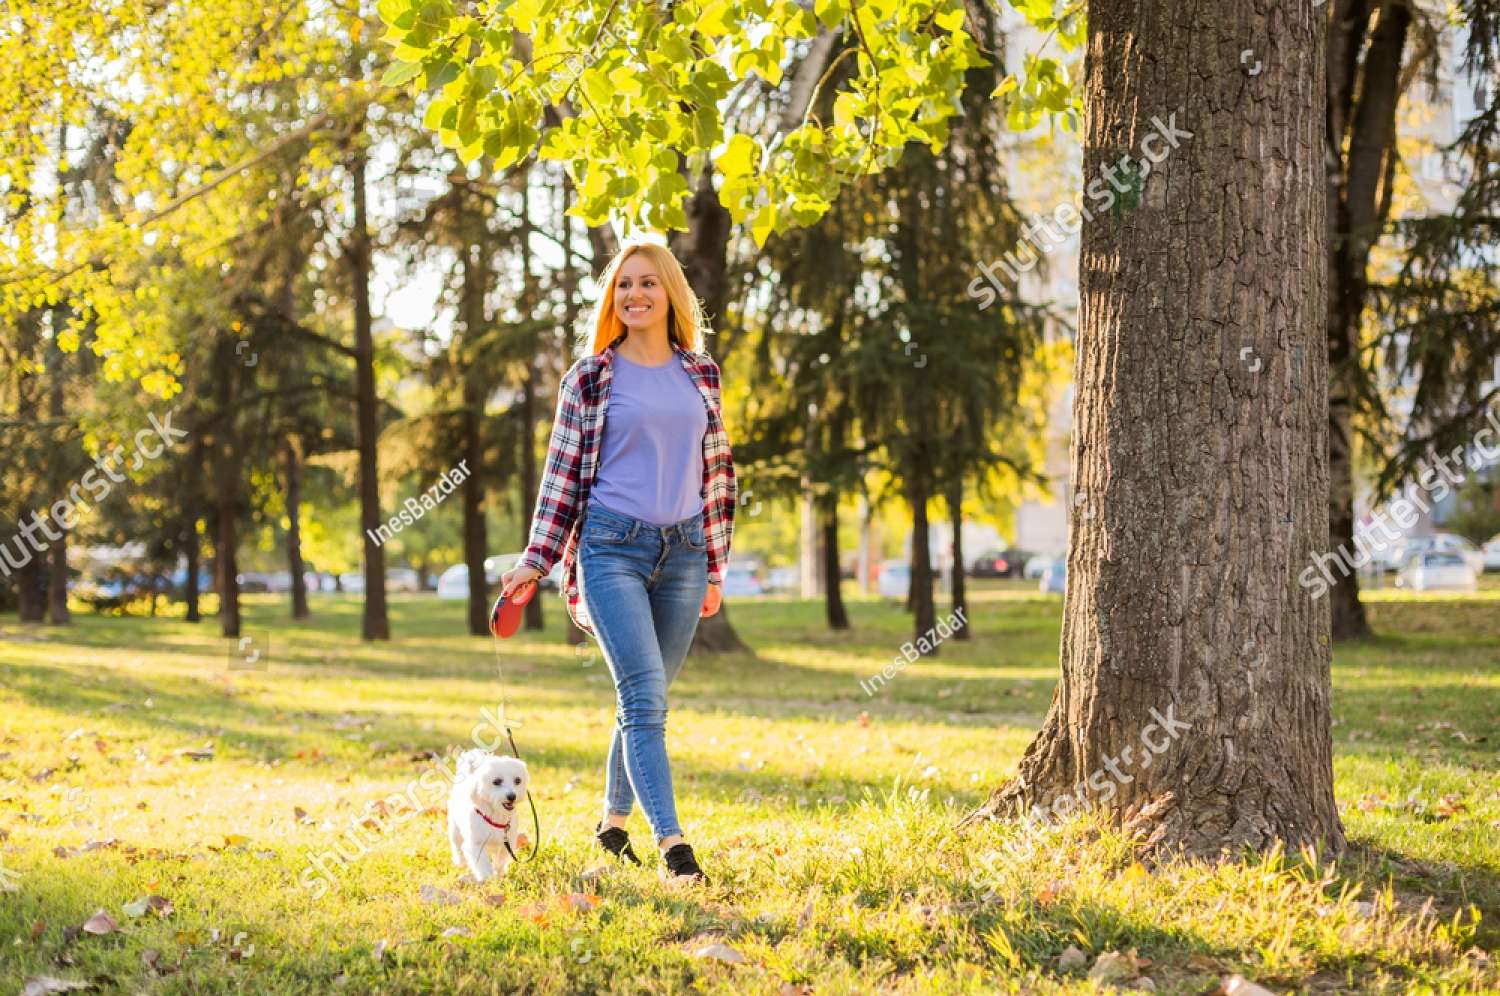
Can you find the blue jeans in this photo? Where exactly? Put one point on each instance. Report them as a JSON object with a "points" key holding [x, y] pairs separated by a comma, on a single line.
{"points": [[643, 586]]}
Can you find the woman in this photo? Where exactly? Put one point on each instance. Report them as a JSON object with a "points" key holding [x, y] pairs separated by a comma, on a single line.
{"points": [[638, 498]]}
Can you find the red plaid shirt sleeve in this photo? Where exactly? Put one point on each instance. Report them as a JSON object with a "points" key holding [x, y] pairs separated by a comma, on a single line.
{"points": [[557, 498], [721, 494]]}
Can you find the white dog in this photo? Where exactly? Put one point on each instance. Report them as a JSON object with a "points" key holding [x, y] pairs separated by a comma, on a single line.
{"points": [[482, 811]]}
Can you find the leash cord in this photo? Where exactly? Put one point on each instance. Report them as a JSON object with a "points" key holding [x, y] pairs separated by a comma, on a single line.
{"points": [[536, 823]]}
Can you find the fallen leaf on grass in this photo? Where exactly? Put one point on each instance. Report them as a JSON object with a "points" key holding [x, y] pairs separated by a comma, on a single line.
{"points": [[41, 985], [1071, 959], [160, 905], [38, 928], [1112, 966], [100, 923], [720, 952], [1238, 985], [582, 902], [458, 932], [805, 917], [300, 815], [432, 894], [535, 912], [593, 875], [204, 753]]}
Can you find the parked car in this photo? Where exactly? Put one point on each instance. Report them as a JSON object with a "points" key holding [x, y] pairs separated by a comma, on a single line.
{"points": [[784, 579], [252, 582], [352, 583], [740, 581], [894, 579], [1036, 567], [1055, 577], [1442, 543], [454, 582], [996, 564], [1491, 553], [179, 579], [1437, 571], [402, 579]]}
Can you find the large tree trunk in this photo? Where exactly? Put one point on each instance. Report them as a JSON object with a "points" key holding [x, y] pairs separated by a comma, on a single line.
{"points": [[191, 551], [294, 528], [227, 476], [476, 539], [924, 614], [704, 253], [376, 624], [833, 600], [1200, 439], [31, 601], [1357, 205], [192, 493], [960, 595], [57, 575]]}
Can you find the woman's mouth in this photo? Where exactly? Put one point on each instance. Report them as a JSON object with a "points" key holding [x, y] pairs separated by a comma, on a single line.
{"points": [[637, 309]]}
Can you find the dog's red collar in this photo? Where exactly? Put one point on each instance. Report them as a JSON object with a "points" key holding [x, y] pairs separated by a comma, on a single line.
{"points": [[497, 826]]}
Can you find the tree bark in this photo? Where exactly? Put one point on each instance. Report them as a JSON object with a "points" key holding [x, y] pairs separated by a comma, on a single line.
{"points": [[294, 563], [703, 252], [960, 595], [227, 475], [57, 576], [191, 551], [924, 615], [1356, 215], [476, 539], [833, 600], [376, 624], [1200, 441], [31, 601]]}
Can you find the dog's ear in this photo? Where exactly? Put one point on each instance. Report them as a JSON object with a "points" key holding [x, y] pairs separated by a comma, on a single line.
{"points": [[474, 795]]}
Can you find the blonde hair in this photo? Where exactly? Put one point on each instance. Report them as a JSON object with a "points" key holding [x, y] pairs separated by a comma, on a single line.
{"points": [[686, 323]]}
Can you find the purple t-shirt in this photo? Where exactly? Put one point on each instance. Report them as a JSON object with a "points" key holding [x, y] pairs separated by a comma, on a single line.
{"points": [[651, 456]]}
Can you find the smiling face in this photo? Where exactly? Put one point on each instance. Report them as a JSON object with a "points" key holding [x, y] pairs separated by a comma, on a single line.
{"points": [[640, 299], [498, 784]]}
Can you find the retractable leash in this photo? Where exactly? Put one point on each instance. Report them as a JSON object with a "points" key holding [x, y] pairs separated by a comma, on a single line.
{"points": [[505, 619]]}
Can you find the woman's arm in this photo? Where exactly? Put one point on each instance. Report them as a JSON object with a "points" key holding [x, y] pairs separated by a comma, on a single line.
{"points": [[557, 498]]}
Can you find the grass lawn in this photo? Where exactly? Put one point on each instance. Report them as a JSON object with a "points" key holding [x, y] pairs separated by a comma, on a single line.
{"points": [[135, 763]]}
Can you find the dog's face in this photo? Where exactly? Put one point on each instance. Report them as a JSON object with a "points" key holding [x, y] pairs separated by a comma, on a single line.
{"points": [[499, 783]]}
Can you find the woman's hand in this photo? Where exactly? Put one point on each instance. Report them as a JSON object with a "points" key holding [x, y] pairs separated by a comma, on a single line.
{"points": [[711, 601], [516, 578]]}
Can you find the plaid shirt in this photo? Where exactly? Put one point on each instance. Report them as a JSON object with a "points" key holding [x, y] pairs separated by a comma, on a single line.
{"points": [[573, 463]]}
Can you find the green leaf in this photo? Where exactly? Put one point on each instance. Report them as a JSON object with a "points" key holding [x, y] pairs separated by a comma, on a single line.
{"points": [[440, 74], [398, 73]]}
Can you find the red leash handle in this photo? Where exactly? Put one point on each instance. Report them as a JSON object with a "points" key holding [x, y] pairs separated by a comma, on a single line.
{"points": [[505, 617]]}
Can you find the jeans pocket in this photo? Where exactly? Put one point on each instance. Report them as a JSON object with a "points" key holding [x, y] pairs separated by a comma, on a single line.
{"points": [[604, 531], [695, 538]]}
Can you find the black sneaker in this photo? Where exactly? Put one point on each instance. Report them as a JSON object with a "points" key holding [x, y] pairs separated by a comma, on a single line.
{"points": [[616, 841], [682, 866]]}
